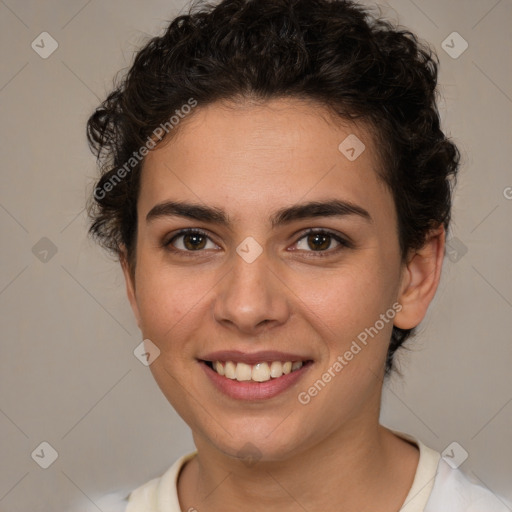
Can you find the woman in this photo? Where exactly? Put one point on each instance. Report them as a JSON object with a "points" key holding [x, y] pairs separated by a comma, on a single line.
{"points": [[277, 188]]}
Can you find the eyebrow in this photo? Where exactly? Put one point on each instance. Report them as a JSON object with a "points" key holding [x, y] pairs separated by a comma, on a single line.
{"points": [[286, 215]]}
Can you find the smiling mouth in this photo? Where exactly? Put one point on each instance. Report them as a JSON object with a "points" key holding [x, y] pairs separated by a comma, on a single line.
{"points": [[259, 372]]}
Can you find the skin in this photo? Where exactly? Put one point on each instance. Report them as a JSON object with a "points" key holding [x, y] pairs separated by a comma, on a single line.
{"points": [[251, 160]]}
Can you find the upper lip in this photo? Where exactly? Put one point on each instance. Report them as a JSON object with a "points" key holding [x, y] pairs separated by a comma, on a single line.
{"points": [[252, 358]]}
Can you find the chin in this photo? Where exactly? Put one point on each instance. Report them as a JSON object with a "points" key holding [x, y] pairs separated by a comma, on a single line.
{"points": [[250, 439]]}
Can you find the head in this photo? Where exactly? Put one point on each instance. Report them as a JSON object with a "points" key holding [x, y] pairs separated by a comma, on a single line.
{"points": [[228, 122]]}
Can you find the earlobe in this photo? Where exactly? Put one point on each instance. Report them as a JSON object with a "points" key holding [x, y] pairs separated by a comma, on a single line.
{"points": [[129, 278], [420, 279]]}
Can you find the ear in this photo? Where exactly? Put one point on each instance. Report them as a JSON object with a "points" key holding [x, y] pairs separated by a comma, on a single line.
{"points": [[420, 278], [129, 278]]}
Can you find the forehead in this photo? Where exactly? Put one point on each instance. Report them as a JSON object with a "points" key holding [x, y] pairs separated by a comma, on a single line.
{"points": [[254, 156]]}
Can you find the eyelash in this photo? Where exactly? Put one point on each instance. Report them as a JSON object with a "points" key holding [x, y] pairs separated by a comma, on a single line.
{"points": [[344, 244]]}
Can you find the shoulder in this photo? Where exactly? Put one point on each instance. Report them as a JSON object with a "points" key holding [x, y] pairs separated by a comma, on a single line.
{"points": [[159, 493], [439, 487], [115, 501], [455, 491]]}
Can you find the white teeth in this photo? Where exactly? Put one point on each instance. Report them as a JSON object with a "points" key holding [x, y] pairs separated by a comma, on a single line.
{"points": [[260, 372], [230, 370], [219, 368], [276, 369], [243, 372]]}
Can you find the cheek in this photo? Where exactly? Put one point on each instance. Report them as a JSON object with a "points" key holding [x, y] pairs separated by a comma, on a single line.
{"points": [[168, 302], [345, 301]]}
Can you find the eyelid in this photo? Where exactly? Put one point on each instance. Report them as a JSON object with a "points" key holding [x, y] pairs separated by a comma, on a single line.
{"points": [[343, 241], [182, 232]]}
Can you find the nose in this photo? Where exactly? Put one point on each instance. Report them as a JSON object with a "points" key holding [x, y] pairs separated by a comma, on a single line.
{"points": [[251, 297]]}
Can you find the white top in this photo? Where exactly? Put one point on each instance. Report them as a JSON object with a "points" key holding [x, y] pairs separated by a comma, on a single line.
{"points": [[436, 487]]}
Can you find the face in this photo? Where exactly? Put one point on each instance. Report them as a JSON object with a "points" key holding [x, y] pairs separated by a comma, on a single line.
{"points": [[263, 279]]}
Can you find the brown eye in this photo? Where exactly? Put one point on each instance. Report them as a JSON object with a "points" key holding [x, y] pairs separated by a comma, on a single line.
{"points": [[189, 241], [321, 242], [193, 241]]}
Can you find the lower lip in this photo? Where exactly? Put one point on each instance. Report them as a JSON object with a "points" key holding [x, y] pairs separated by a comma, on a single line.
{"points": [[250, 390]]}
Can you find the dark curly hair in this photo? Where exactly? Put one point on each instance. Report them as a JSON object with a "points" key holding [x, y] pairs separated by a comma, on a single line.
{"points": [[359, 66]]}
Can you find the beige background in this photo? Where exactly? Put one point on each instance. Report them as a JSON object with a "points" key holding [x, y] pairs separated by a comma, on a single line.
{"points": [[68, 375]]}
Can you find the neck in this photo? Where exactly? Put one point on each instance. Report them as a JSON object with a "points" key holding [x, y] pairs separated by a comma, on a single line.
{"points": [[355, 468]]}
